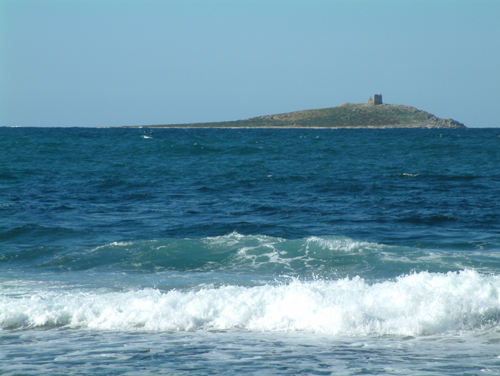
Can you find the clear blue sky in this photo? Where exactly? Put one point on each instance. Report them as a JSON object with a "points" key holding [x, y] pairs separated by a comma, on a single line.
{"points": [[139, 62]]}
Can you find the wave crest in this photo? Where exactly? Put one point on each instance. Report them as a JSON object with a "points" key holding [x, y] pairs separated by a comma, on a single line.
{"points": [[412, 305]]}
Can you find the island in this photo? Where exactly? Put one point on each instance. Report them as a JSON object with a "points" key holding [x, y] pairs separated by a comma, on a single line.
{"points": [[373, 114]]}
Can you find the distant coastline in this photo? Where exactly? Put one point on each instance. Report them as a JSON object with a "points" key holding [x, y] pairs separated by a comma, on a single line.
{"points": [[347, 115]]}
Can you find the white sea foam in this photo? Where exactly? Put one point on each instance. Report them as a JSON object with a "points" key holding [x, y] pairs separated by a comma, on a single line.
{"points": [[285, 255], [114, 244], [342, 244], [332, 243], [417, 304]]}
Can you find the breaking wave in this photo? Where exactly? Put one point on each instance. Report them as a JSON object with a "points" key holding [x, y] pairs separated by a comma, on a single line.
{"points": [[411, 305]]}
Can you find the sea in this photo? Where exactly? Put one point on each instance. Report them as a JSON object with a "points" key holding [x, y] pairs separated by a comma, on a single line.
{"points": [[148, 251]]}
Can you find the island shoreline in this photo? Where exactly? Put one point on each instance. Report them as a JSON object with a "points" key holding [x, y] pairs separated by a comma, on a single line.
{"points": [[344, 116]]}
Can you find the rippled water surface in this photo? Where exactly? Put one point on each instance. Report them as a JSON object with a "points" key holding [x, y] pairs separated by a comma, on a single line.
{"points": [[252, 251]]}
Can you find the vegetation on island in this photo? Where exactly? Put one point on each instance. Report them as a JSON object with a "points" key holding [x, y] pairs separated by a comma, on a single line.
{"points": [[347, 115]]}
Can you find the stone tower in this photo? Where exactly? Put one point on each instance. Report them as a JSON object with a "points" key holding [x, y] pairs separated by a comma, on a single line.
{"points": [[377, 99]]}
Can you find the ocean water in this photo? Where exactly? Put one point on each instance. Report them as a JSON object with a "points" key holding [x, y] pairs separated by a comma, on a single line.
{"points": [[249, 251]]}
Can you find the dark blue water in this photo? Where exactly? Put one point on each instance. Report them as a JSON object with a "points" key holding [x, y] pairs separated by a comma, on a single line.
{"points": [[225, 251]]}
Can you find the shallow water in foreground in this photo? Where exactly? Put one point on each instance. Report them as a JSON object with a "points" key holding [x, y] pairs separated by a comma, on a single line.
{"points": [[172, 251]]}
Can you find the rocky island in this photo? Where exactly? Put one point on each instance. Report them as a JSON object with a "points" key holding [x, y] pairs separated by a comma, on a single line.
{"points": [[373, 114]]}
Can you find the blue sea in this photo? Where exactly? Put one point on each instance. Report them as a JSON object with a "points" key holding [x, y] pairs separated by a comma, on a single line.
{"points": [[249, 251]]}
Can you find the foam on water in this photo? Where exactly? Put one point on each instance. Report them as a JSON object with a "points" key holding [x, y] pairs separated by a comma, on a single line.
{"points": [[417, 304], [233, 252], [256, 258]]}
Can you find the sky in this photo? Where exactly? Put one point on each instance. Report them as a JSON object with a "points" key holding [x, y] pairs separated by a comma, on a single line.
{"points": [[99, 63]]}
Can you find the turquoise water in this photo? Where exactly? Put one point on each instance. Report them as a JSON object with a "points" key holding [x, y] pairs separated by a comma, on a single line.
{"points": [[225, 251]]}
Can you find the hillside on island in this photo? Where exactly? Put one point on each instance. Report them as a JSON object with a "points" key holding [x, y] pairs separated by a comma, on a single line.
{"points": [[347, 115]]}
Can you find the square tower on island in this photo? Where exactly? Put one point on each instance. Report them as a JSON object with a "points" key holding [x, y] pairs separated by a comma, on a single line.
{"points": [[377, 99]]}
